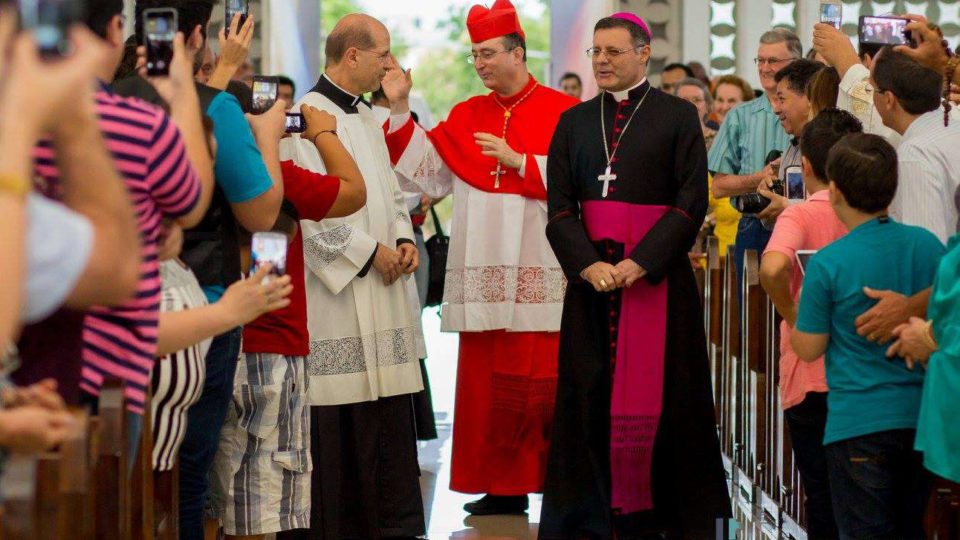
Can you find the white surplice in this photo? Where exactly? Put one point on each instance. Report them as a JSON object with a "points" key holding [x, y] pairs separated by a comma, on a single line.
{"points": [[364, 336], [501, 272]]}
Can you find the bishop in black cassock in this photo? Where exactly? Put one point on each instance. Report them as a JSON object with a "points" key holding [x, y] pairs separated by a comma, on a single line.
{"points": [[634, 448]]}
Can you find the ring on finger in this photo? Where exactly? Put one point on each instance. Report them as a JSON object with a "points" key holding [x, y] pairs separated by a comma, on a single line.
{"points": [[603, 283]]}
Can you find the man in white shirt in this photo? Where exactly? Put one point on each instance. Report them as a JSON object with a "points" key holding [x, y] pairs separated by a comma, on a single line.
{"points": [[907, 97]]}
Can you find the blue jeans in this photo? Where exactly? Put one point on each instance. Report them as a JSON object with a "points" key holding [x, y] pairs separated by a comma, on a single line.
{"points": [[879, 486], [807, 421], [750, 235], [204, 422]]}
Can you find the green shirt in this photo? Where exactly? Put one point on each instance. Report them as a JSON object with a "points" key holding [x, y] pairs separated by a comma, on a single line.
{"points": [[869, 393], [938, 431], [748, 134]]}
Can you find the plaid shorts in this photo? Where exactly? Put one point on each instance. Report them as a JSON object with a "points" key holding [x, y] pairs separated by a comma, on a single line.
{"points": [[260, 482]]}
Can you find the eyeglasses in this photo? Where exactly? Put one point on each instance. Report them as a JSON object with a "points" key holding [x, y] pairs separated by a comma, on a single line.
{"points": [[383, 58], [484, 55], [771, 61], [609, 52]]}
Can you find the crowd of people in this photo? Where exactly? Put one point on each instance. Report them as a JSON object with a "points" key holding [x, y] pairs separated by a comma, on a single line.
{"points": [[290, 395]]}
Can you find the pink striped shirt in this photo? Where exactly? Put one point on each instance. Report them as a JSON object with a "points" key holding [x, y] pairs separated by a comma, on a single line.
{"points": [[150, 155]]}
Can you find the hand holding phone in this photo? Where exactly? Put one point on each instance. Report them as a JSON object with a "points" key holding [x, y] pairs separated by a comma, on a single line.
{"points": [[317, 122]]}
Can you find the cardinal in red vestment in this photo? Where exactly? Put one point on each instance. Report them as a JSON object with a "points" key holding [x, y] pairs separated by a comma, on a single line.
{"points": [[504, 287]]}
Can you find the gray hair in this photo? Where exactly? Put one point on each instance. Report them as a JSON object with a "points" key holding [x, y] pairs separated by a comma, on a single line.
{"points": [[782, 35], [690, 81]]}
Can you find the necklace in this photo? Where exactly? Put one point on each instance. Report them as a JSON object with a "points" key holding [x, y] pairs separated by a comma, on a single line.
{"points": [[507, 113], [607, 176]]}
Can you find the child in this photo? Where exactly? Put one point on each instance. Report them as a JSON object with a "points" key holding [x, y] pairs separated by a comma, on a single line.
{"points": [[878, 485]]}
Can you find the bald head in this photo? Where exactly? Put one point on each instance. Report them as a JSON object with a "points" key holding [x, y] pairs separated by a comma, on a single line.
{"points": [[354, 31]]}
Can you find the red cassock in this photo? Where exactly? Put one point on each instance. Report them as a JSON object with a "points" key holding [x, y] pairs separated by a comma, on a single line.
{"points": [[507, 370]]}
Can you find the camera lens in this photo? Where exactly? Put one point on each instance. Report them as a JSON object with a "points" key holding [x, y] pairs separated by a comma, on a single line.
{"points": [[750, 203]]}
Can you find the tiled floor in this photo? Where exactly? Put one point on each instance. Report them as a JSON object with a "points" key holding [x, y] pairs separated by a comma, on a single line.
{"points": [[444, 508]]}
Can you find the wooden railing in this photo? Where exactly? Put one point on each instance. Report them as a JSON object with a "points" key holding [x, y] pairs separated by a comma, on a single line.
{"points": [[87, 489], [743, 344]]}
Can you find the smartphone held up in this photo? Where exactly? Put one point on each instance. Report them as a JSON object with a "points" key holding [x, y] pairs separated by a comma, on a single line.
{"points": [[296, 123], [268, 247], [159, 30], [232, 8], [831, 13], [265, 93]]}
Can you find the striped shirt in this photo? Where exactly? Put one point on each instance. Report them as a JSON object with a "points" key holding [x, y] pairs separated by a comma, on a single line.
{"points": [[150, 155], [929, 176], [748, 134]]}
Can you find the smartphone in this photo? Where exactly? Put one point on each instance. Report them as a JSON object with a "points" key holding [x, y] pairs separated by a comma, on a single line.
{"points": [[795, 189], [159, 29], [830, 13], [231, 8], [264, 93], [296, 123], [884, 30], [268, 247], [803, 259], [49, 21]]}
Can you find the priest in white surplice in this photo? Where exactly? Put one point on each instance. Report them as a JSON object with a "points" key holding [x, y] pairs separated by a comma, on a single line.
{"points": [[364, 360]]}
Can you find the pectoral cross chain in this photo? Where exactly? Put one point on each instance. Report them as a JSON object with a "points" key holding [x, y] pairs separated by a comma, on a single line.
{"points": [[606, 178]]}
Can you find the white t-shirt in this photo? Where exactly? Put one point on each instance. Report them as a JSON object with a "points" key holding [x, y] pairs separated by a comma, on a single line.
{"points": [[59, 244]]}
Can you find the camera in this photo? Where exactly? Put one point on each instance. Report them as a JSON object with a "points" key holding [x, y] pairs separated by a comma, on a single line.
{"points": [[754, 203]]}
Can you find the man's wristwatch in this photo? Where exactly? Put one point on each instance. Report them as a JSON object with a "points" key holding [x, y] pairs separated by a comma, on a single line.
{"points": [[15, 185]]}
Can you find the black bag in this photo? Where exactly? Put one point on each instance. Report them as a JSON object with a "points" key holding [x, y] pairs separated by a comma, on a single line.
{"points": [[437, 247]]}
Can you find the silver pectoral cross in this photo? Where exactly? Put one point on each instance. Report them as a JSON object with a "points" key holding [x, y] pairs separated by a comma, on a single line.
{"points": [[606, 178], [497, 174]]}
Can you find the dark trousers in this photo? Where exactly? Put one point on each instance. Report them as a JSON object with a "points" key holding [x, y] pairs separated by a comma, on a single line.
{"points": [[365, 483], [204, 422], [750, 235], [806, 422], [879, 486]]}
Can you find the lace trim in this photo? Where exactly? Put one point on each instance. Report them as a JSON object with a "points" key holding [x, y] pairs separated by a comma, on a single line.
{"points": [[348, 355], [322, 249], [431, 165], [500, 284]]}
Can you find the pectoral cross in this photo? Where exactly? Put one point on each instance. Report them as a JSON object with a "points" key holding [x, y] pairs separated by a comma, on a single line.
{"points": [[606, 178], [497, 174]]}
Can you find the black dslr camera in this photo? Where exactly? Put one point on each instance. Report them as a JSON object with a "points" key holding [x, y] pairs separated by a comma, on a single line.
{"points": [[754, 203]]}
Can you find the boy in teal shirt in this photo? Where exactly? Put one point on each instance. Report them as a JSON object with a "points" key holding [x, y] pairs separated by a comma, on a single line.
{"points": [[877, 481]]}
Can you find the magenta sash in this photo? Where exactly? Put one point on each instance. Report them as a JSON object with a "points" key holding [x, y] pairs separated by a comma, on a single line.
{"points": [[638, 359]]}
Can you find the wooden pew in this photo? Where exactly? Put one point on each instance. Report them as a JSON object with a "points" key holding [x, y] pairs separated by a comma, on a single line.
{"points": [[142, 519], [112, 485], [21, 515], [713, 321]]}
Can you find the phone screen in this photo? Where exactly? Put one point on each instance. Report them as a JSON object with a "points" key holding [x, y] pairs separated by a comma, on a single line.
{"points": [[269, 248], [830, 14], [264, 93], [159, 29], [233, 7], [883, 30], [803, 259], [795, 187], [49, 21], [295, 123]]}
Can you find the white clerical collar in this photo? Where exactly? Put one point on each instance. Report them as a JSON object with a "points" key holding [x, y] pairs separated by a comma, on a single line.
{"points": [[624, 94]]}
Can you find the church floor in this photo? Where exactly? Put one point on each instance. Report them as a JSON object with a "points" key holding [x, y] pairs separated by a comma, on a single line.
{"points": [[444, 508], [446, 518]]}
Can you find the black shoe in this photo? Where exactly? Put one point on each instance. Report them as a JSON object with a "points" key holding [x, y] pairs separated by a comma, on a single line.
{"points": [[491, 505]]}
